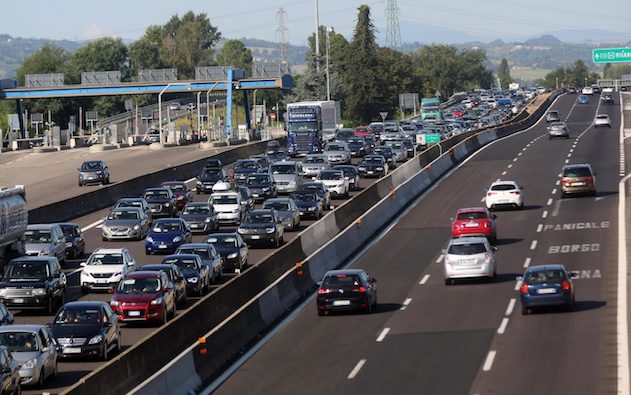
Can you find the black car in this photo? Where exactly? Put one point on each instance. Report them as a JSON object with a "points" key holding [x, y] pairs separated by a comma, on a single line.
{"points": [[373, 166], [200, 217], [10, 380], [345, 290], [277, 154], [247, 200], [177, 279], [161, 201], [192, 267], [371, 142], [607, 98], [358, 147], [261, 186], [233, 250], [319, 189], [409, 147], [263, 160], [310, 204], [213, 164], [387, 153], [86, 329], [93, 172], [243, 168], [352, 173], [75, 243], [208, 178], [262, 226], [33, 282]]}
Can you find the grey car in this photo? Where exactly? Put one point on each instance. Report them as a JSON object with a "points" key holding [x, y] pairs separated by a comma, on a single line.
{"points": [[135, 202], [468, 257], [287, 210], [93, 172], [313, 163], [287, 176], [125, 223], [45, 240], [338, 153], [34, 349], [400, 151], [558, 129], [200, 217]]}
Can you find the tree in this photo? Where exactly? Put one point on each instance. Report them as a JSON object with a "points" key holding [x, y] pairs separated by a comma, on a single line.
{"points": [[235, 54], [104, 54], [503, 73], [615, 71], [576, 75], [144, 53], [398, 69]]}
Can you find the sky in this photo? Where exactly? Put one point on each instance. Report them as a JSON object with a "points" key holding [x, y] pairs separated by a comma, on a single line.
{"points": [[420, 20]]}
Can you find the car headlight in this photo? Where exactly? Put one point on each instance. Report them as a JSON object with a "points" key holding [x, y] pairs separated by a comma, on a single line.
{"points": [[199, 182], [30, 364], [114, 303], [177, 239], [240, 231], [117, 274], [87, 274], [362, 168], [3, 292], [232, 256], [157, 301], [136, 227], [207, 220], [96, 339], [39, 291], [270, 230], [379, 168], [312, 208], [149, 239], [193, 280], [265, 189], [167, 204]]}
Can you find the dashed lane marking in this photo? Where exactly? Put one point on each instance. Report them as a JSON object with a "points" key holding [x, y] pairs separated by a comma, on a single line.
{"points": [[383, 335], [527, 262], [544, 214], [356, 369], [502, 328], [440, 258], [424, 279], [539, 228], [550, 201], [533, 245], [510, 307], [405, 304], [488, 363]]}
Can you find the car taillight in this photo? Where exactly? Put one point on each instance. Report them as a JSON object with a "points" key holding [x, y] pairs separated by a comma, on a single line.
{"points": [[486, 224], [565, 181], [566, 285], [490, 193], [524, 288], [515, 192], [361, 290], [323, 291], [589, 179]]}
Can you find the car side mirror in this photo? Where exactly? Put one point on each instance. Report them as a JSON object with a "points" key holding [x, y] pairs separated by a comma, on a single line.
{"points": [[319, 283], [494, 249], [451, 219], [107, 324], [83, 264], [132, 263], [46, 349]]}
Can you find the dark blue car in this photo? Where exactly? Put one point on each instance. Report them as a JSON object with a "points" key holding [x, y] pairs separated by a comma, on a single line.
{"points": [[582, 99], [546, 285], [210, 257], [197, 274], [166, 235]]}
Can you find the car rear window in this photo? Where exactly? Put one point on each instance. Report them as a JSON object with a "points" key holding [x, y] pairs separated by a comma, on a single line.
{"points": [[577, 172], [341, 281], [472, 215], [467, 249], [502, 187], [542, 276]]}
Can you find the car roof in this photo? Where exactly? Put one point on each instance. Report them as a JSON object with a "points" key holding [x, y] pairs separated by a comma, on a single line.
{"points": [[133, 208], [67, 224], [188, 256], [142, 274], [85, 303], [223, 234], [131, 199], [538, 268], [197, 204], [33, 258], [194, 245], [471, 209], [468, 240], [21, 328], [261, 211], [348, 272], [101, 250], [281, 199], [173, 183], [500, 182], [160, 220], [40, 226], [577, 165], [156, 265]]}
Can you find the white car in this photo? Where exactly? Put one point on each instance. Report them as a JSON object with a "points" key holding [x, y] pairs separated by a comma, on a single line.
{"points": [[602, 120], [588, 90], [504, 194], [105, 267], [469, 257], [335, 182], [228, 206]]}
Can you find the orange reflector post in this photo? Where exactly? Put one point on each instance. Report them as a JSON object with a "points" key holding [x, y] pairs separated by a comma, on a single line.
{"points": [[202, 340], [298, 264], [299, 273], [358, 222]]}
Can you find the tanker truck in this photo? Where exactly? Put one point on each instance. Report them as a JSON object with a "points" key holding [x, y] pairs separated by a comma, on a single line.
{"points": [[13, 222]]}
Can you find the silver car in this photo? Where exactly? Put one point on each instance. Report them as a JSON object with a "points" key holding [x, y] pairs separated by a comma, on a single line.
{"points": [[287, 176], [468, 257], [313, 163], [34, 349], [287, 210], [558, 129], [338, 153], [45, 240], [129, 223], [400, 151]]}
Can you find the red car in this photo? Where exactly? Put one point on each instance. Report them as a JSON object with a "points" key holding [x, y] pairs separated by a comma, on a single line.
{"points": [[182, 194], [361, 131], [144, 296], [474, 221]]}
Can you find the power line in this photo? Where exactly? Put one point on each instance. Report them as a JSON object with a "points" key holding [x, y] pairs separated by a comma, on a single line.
{"points": [[393, 30], [281, 31]]}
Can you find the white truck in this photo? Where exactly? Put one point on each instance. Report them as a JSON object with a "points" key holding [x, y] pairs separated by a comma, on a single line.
{"points": [[13, 222]]}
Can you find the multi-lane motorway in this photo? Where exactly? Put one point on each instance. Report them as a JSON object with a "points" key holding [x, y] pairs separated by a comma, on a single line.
{"points": [[426, 337]]}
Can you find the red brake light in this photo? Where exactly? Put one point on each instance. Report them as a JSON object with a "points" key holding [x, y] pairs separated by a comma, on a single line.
{"points": [[515, 192], [323, 291], [524, 288], [490, 193], [360, 290], [589, 179], [566, 285]]}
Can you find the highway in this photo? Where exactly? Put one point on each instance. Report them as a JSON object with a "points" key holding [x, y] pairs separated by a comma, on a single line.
{"points": [[471, 337]]}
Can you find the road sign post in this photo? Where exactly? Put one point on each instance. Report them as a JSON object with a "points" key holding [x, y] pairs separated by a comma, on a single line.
{"points": [[383, 114], [434, 138], [611, 55]]}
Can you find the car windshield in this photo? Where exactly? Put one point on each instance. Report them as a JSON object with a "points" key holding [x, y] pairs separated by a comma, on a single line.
{"points": [[249, 165], [37, 236], [222, 241], [78, 315], [224, 199], [577, 172], [69, 230], [91, 166], [138, 286], [173, 226], [257, 180], [202, 252], [341, 281], [283, 169], [211, 174], [542, 276], [19, 341], [383, 150], [373, 161], [334, 147], [124, 214], [397, 146], [129, 203], [314, 188], [182, 263], [602, 116], [503, 187], [156, 195], [472, 215], [315, 160], [308, 197], [105, 259], [176, 187], [355, 141], [26, 270], [279, 206], [196, 210], [331, 175], [260, 218], [467, 249]]}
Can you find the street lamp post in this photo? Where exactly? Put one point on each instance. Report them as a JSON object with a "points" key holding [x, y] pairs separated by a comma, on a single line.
{"points": [[328, 75], [208, 110], [160, 105]]}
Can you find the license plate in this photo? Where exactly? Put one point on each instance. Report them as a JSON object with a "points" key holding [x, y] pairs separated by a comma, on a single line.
{"points": [[255, 195], [20, 300], [194, 226], [102, 281], [370, 172], [577, 184], [162, 246], [255, 237], [302, 213], [471, 225], [134, 313], [546, 291], [72, 350], [155, 210], [68, 245], [341, 302]]}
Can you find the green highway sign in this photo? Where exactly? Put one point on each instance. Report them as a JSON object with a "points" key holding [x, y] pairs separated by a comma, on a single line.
{"points": [[611, 55], [432, 138]]}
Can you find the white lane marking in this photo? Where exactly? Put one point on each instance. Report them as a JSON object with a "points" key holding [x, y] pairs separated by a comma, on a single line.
{"points": [[533, 245], [517, 285], [550, 201], [557, 206], [572, 150], [510, 307], [527, 262], [504, 173], [405, 304], [511, 165], [502, 328], [488, 363], [558, 182], [515, 160], [569, 155], [424, 279], [483, 199], [519, 154], [544, 215], [440, 258], [498, 180], [356, 369], [92, 225], [622, 324], [383, 335], [567, 161], [539, 228]]}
